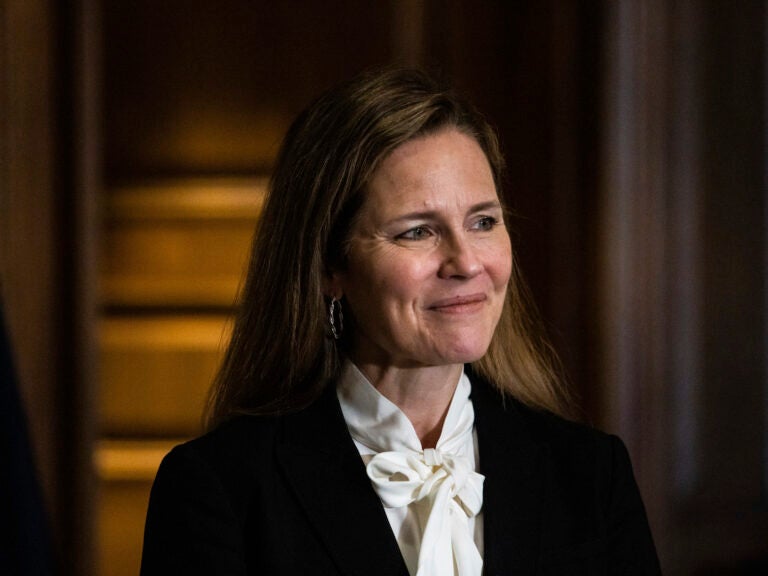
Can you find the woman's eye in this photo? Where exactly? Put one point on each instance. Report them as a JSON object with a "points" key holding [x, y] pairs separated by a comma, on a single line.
{"points": [[486, 223], [417, 233]]}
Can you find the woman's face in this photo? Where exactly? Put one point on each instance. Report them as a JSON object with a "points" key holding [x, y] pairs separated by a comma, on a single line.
{"points": [[429, 257]]}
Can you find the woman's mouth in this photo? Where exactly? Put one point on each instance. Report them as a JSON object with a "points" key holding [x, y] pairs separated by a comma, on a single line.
{"points": [[459, 304]]}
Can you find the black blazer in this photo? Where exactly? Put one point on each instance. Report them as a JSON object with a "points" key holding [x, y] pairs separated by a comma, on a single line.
{"points": [[288, 495]]}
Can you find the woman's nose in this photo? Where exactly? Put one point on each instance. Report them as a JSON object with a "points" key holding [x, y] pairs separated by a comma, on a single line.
{"points": [[459, 258]]}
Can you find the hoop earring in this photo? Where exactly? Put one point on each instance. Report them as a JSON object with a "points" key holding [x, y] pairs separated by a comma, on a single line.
{"points": [[335, 318]]}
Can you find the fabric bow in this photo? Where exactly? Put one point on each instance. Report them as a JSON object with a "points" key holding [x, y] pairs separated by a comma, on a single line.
{"points": [[453, 493]]}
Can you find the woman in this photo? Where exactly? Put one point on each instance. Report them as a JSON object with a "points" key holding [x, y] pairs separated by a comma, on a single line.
{"points": [[387, 404]]}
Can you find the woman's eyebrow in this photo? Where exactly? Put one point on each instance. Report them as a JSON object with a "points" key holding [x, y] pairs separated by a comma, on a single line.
{"points": [[419, 215], [430, 214], [489, 205]]}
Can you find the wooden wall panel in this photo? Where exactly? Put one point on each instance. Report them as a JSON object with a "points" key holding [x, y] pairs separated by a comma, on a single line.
{"points": [[178, 242], [724, 504], [125, 470], [203, 87], [121, 513], [30, 283], [683, 309], [174, 253], [156, 372]]}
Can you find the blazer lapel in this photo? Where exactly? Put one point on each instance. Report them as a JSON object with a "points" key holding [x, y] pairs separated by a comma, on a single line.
{"points": [[326, 472], [513, 465]]}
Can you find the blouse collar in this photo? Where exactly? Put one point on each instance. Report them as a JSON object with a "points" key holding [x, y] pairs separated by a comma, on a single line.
{"points": [[378, 423]]}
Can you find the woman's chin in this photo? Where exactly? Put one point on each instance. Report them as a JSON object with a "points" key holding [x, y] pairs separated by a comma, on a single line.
{"points": [[471, 352]]}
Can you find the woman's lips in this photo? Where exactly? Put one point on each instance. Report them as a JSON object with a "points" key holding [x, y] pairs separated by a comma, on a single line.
{"points": [[457, 304]]}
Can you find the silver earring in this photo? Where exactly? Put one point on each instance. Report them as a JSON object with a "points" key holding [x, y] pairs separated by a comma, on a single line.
{"points": [[338, 319]]}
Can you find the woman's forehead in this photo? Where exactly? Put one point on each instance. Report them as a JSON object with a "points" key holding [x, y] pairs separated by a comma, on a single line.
{"points": [[432, 171]]}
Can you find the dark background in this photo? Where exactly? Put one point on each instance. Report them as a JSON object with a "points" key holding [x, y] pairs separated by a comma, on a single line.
{"points": [[636, 139]]}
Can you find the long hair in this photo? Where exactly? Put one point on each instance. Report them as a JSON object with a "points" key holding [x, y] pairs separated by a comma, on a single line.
{"points": [[280, 356]]}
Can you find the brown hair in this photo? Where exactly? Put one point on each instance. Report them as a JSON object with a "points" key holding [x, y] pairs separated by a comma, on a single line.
{"points": [[280, 356]]}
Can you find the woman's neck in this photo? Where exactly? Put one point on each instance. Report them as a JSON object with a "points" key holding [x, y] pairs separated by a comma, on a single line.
{"points": [[424, 394]]}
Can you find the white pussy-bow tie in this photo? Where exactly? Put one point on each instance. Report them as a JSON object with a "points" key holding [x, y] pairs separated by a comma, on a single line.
{"points": [[453, 493]]}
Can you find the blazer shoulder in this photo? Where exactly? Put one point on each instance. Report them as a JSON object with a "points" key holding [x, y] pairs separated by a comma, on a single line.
{"points": [[241, 433], [202, 497], [593, 504], [572, 446], [536, 424], [574, 443], [546, 426], [233, 443]]}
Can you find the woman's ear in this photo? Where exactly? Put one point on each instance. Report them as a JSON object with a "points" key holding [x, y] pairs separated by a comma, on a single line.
{"points": [[332, 285]]}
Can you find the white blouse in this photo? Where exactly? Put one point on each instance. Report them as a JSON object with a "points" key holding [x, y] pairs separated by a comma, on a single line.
{"points": [[379, 427]]}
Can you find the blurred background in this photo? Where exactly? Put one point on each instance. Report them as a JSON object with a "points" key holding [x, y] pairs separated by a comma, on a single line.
{"points": [[135, 140]]}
